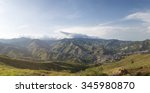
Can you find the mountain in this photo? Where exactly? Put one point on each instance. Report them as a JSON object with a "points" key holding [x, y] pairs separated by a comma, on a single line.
{"points": [[79, 50]]}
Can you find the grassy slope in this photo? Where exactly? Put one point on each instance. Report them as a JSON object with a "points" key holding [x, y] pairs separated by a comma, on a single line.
{"points": [[131, 65], [18, 67], [138, 64], [11, 71]]}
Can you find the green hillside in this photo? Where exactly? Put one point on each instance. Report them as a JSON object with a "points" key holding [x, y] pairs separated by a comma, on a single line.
{"points": [[19, 67], [11, 71], [138, 64]]}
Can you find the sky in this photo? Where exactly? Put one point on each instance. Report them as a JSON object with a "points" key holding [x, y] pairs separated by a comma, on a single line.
{"points": [[107, 19]]}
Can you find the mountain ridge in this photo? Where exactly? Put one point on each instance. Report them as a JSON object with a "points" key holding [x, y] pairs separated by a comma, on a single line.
{"points": [[80, 50]]}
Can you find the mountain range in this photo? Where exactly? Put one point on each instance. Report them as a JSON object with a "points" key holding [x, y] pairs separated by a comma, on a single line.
{"points": [[80, 50]]}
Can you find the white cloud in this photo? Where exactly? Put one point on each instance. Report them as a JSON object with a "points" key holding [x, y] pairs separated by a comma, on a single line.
{"points": [[148, 29], [119, 31], [91, 31], [107, 32], [141, 16]]}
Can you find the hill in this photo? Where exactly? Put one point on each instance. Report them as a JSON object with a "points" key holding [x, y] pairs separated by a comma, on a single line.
{"points": [[6, 70], [7, 64], [133, 65]]}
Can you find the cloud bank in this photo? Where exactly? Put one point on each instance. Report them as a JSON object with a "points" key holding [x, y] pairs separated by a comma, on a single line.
{"points": [[140, 31], [74, 35]]}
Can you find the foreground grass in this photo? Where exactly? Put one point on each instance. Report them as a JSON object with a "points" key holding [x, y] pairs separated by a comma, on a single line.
{"points": [[11, 71], [138, 64]]}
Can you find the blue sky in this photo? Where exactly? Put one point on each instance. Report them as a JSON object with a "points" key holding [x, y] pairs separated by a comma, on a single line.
{"points": [[109, 19]]}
